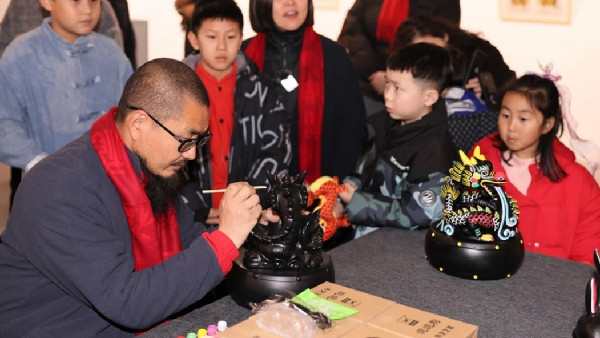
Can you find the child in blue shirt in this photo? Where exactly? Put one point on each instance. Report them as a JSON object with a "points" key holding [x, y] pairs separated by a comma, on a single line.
{"points": [[55, 81]]}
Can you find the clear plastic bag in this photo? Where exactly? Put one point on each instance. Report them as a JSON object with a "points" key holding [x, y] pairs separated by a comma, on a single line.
{"points": [[287, 322]]}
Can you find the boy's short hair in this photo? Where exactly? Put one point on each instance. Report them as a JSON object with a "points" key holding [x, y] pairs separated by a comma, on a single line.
{"points": [[216, 9], [425, 61]]}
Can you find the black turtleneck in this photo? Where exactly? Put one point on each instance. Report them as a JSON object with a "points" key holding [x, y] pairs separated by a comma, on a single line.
{"points": [[282, 57]]}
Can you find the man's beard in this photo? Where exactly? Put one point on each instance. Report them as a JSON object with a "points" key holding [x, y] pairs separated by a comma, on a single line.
{"points": [[161, 191]]}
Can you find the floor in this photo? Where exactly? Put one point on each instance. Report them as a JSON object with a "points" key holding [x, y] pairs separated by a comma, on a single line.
{"points": [[4, 194]]}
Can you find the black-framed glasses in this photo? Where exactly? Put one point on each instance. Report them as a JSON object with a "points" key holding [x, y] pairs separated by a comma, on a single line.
{"points": [[185, 143]]}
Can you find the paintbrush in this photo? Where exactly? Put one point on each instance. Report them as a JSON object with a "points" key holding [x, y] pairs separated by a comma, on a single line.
{"points": [[212, 191]]}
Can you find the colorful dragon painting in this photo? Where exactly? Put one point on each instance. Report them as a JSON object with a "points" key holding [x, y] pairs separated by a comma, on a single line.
{"points": [[476, 208]]}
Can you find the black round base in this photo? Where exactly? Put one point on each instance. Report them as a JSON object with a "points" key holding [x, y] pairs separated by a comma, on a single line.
{"points": [[474, 260], [246, 286]]}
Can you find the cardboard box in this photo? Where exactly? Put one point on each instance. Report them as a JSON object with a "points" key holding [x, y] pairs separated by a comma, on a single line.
{"points": [[368, 306], [404, 321], [377, 317]]}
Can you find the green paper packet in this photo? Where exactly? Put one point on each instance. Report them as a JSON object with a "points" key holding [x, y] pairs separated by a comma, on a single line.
{"points": [[333, 310]]}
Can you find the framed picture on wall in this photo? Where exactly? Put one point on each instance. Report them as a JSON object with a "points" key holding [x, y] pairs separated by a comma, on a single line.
{"points": [[326, 4], [550, 11]]}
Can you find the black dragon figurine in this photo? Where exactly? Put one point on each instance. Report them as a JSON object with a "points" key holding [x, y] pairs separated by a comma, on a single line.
{"points": [[296, 241]]}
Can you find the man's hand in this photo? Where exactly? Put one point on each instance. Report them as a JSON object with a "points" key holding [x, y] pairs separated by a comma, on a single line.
{"points": [[239, 212]]}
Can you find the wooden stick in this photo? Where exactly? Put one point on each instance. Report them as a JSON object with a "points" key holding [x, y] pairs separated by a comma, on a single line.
{"points": [[211, 191]]}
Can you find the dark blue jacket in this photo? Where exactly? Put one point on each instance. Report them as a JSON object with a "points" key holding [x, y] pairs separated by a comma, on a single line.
{"points": [[66, 263]]}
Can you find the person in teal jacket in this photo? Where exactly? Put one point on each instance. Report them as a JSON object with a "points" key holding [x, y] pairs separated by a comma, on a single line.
{"points": [[400, 186]]}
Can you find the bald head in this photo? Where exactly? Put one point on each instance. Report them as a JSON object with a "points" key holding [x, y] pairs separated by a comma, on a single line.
{"points": [[161, 85]]}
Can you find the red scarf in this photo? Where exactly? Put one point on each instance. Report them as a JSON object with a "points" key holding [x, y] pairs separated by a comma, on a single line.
{"points": [[153, 240], [392, 14], [311, 97]]}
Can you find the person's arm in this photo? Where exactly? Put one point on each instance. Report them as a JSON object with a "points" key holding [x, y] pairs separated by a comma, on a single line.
{"points": [[82, 246], [349, 116], [17, 147], [417, 205], [356, 37], [587, 235], [77, 249]]}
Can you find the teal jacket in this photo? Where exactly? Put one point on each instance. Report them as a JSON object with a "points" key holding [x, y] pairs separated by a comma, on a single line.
{"points": [[400, 187]]}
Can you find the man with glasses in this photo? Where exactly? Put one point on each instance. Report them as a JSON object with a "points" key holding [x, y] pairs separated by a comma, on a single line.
{"points": [[98, 244]]}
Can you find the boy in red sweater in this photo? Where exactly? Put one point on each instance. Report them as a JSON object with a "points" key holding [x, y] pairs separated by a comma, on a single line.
{"points": [[246, 118]]}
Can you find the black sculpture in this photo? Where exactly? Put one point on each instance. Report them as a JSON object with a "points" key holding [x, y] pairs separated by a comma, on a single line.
{"points": [[588, 325], [296, 241], [284, 257]]}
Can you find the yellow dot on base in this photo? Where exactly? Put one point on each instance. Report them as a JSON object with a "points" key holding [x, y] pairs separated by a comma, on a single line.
{"points": [[459, 244], [433, 234], [426, 257], [497, 247], [508, 276], [441, 269], [474, 276]]}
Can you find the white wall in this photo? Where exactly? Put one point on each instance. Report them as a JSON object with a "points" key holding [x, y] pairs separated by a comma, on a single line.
{"points": [[574, 49]]}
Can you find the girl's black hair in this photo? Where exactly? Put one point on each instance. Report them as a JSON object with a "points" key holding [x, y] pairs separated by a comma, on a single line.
{"points": [[543, 95]]}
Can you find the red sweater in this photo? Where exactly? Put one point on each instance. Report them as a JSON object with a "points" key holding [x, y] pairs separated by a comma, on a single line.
{"points": [[222, 110], [558, 219]]}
